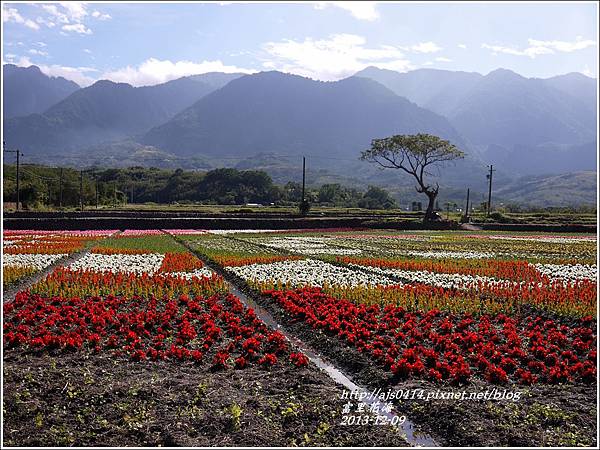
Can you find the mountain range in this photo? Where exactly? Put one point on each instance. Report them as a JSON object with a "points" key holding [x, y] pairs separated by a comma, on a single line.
{"points": [[524, 126], [27, 90]]}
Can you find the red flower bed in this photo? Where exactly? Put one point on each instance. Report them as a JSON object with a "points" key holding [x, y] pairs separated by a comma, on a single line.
{"points": [[217, 328], [448, 347]]}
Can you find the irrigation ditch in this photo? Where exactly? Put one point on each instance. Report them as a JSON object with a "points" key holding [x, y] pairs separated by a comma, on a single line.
{"points": [[300, 336]]}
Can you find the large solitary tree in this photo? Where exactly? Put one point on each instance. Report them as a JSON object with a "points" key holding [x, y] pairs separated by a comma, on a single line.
{"points": [[415, 155]]}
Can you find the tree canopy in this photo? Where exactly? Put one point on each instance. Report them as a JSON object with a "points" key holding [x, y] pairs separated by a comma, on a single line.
{"points": [[415, 155]]}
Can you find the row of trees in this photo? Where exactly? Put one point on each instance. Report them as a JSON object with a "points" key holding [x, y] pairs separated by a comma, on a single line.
{"points": [[45, 186]]}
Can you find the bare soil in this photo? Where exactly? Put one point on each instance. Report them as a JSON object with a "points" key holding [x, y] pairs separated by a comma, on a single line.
{"points": [[81, 399]]}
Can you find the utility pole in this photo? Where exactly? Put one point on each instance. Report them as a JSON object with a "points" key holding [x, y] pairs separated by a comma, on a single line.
{"points": [[131, 194], [60, 195], [96, 192], [489, 177], [303, 177], [114, 195], [466, 215], [81, 190], [18, 172]]}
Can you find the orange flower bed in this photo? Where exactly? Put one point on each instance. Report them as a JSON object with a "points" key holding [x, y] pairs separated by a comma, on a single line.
{"points": [[80, 283], [48, 245], [180, 262]]}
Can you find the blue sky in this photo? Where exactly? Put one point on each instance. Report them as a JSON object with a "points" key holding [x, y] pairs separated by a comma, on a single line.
{"points": [[150, 43]]}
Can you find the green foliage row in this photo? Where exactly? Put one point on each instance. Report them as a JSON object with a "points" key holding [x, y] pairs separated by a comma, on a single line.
{"points": [[41, 186]]}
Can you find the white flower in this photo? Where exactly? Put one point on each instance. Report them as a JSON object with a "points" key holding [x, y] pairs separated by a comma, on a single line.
{"points": [[202, 272], [308, 272], [444, 280], [310, 245], [548, 239], [147, 263], [568, 272], [38, 261]]}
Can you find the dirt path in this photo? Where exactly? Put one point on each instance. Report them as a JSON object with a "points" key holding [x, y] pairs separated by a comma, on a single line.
{"points": [[407, 427]]}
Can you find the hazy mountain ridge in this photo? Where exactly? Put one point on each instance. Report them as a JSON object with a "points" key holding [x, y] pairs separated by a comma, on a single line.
{"points": [[289, 114], [217, 119], [106, 111], [508, 119], [27, 90]]}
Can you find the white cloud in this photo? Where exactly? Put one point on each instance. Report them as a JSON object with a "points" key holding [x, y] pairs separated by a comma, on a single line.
{"points": [[339, 56], [428, 63], [22, 61], [56, 14], [77, 28], [41, 44], [586, 71], [72, 16], [77, 74], [425, 47], [13, 15], [154, 71], [34, 51], [359, 9], [562, 46], [87, 50], [536, 47], [75, 11], [443, 59], [46, 22], [100, 16], [462, 46], [532, 52]]}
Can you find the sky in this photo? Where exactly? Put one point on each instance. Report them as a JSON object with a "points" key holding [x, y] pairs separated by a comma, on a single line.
{"points": [[149, 43]]}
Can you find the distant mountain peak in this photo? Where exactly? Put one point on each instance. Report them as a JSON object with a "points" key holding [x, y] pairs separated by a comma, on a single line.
{"points": [[506, 73], [28, 90]]}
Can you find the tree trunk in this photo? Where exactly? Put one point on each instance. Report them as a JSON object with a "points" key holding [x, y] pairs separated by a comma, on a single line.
{"points": [[430, 215]]}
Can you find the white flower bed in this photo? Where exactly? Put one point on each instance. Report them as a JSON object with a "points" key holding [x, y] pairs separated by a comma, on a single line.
{"points": [[202, 272], [147, 263], [309, 245], [444, 280], [547, 239], [449, 255], [568, 272], [39, 261], [308, 272], [245, 231]]}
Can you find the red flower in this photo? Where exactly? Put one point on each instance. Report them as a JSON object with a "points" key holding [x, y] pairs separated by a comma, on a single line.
{"points": [[268, 360], [299, 359]]}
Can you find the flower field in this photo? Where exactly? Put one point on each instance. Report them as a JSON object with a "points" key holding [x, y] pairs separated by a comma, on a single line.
{"points": [[27, 252], [433, 315], [512, 310], [434, 310], [139, 302]]}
